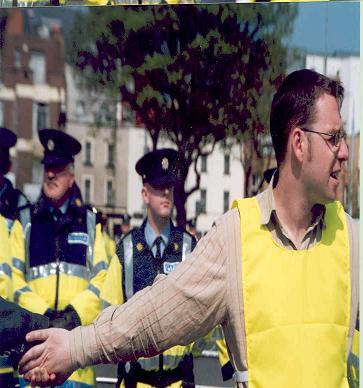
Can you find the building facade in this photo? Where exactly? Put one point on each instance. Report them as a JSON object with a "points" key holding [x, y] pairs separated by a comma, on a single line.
{"points": [[32, 90]]}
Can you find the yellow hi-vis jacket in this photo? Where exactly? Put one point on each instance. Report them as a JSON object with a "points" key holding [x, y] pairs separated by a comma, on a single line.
{"points": [[5, 283], [296, 304], [78, 285], [5, 261]]}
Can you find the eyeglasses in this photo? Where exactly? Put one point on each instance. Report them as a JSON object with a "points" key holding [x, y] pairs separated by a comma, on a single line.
{"points": [[335, 137]]}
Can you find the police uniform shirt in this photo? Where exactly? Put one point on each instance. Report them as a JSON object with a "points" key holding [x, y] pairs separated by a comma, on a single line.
{"points": [[62, 209], [151, 236]]}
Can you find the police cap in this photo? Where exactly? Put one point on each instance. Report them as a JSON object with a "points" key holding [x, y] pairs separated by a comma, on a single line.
{"points": [[59, 147], [158, 168], [7, 138], [126, 218]]}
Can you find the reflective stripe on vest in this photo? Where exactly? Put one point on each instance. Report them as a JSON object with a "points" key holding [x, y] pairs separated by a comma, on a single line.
{"points": [[5, 269], [20, 292], [91, 231], [129, 266], [65, 268], [296, 304], [19, 264]]}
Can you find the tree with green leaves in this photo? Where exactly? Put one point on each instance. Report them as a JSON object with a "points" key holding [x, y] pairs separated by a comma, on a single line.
{"points": [[196, 74]]}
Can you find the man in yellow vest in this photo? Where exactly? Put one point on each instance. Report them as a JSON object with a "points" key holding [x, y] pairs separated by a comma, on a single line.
{"points": [[279, 271]]}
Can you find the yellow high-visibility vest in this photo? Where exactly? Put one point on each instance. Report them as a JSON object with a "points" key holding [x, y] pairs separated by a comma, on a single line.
{"points": [[296, 304]]}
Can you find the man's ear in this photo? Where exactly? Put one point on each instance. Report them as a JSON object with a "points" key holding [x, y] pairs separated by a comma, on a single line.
{"points": [[299, 144], [145, 194], [71, 182]]}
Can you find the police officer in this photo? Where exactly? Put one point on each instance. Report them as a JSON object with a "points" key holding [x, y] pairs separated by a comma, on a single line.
{"points": [[11, 200], [154, 248], [61, 264]]}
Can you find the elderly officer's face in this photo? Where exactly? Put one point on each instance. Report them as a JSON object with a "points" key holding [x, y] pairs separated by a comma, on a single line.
{"points": [[160, 200], [56, 183]]}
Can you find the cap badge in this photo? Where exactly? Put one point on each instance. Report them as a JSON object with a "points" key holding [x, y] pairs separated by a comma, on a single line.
{"points": [[176, 246], [50, 145], [165, 163]]}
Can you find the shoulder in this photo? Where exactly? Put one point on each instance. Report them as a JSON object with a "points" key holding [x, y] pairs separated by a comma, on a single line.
{"points": [[230, 219], [23, 201], [127, 239]]}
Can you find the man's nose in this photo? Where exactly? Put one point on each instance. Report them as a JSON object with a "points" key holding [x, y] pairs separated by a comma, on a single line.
{"points": [[343, 152], [50, 175]]}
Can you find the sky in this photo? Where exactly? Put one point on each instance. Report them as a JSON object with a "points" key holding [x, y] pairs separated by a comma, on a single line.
{"points": [[327, 27]]}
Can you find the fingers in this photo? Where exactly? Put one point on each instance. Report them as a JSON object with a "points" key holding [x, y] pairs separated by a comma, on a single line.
{"points": [[31, 358], [40, 377], [38, 335]]}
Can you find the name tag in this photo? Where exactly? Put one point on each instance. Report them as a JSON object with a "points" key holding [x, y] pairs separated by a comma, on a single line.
{"points": [[168, 267], [78, 238]]}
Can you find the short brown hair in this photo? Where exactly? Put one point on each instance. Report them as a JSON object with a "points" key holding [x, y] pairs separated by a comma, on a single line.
{"points": [[294, 104]]}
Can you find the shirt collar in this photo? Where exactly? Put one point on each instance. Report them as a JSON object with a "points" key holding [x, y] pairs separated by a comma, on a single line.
{"points": [[150, 234], [63, 208], [268, 207]]}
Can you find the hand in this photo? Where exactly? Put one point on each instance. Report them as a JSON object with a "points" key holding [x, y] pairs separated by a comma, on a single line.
{"points": [[48, 363], [40, 377]]}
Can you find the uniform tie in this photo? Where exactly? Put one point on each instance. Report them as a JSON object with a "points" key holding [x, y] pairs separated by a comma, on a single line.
{"points": [[157, 243], [57, 214]]}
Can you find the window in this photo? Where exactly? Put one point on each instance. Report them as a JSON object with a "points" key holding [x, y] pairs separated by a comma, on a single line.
{"points": [[226, 164], [110, 155], [88, 153], [37, 66], [87, 188], [204, 163], [109, 192], [40, 117], [225, 201], [203, 201]]}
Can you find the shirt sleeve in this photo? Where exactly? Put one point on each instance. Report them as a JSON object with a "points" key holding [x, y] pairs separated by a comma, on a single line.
{"points": [[175, 310]]}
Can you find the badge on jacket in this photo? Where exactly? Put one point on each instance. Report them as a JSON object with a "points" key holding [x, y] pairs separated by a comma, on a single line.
{"points": [[78, 238]]}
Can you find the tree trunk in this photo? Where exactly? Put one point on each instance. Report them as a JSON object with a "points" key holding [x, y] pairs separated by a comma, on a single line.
{"points": [[180, 199]]}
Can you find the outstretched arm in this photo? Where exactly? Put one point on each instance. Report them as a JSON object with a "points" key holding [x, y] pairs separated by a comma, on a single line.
{"points": [[175, 310]]}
